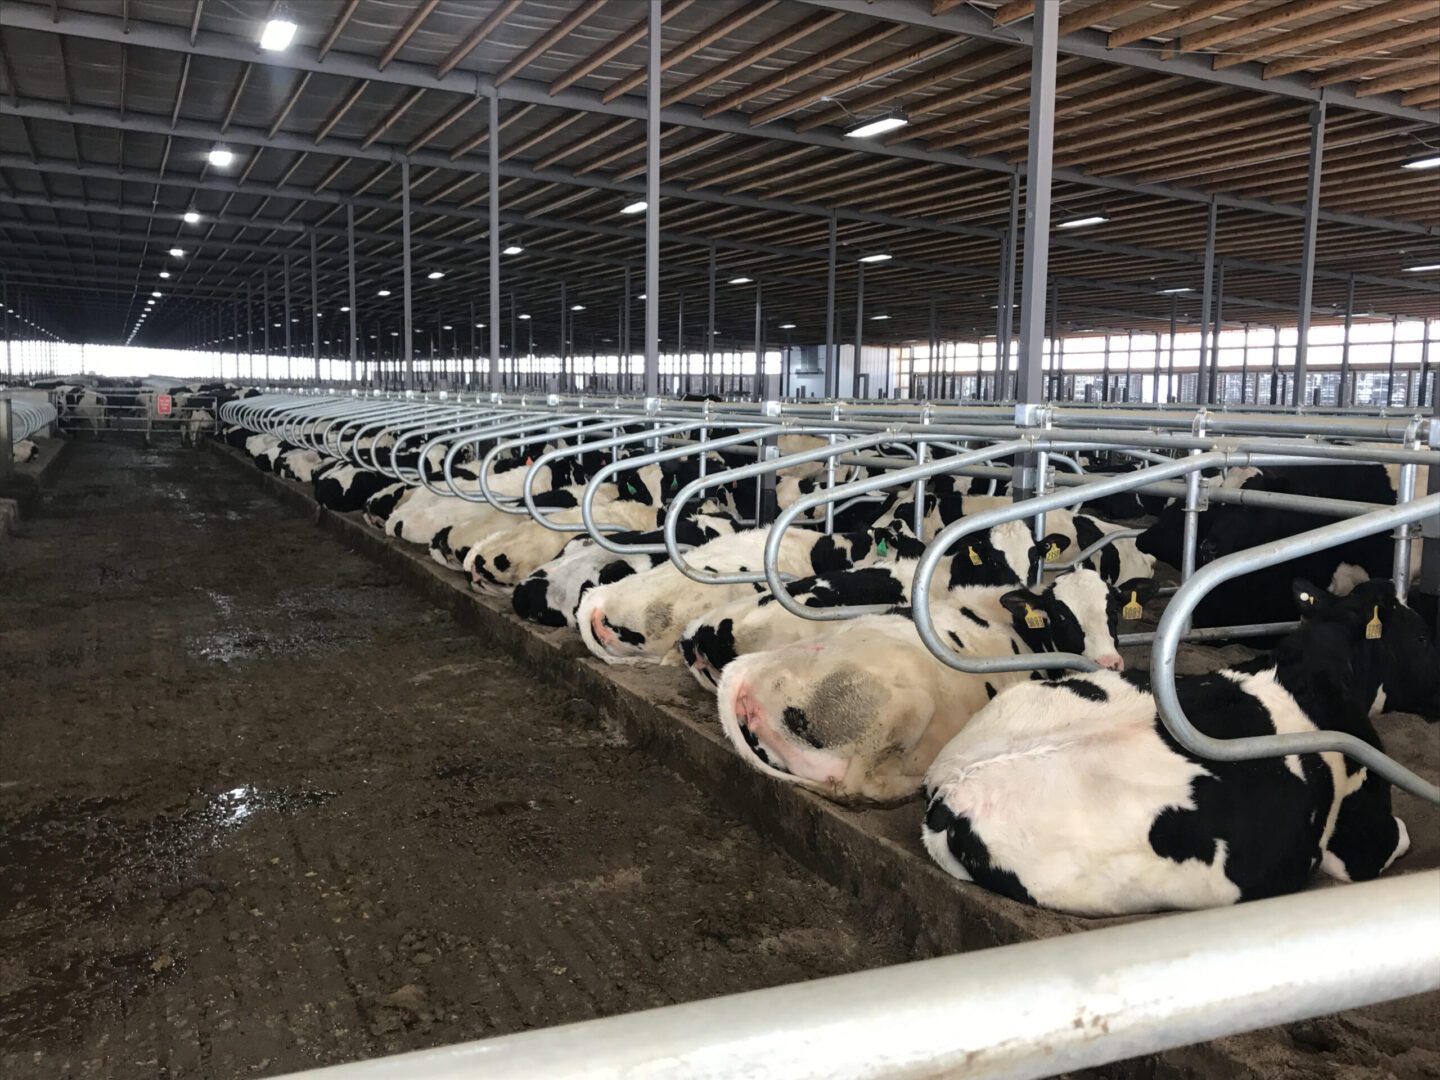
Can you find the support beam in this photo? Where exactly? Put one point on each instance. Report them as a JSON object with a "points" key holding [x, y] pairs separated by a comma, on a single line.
{"points": [[408, 330], [652, 203], [1206, 305], [832, 356], [493, 201], [298, 58], [314, 313], [1307, 248], [350, 278], [1342, 396], [1037, 204]]}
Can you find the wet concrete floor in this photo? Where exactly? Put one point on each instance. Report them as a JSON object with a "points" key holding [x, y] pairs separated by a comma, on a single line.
{"points": [[262, 809]]}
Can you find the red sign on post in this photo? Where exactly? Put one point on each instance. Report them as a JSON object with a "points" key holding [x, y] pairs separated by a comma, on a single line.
{"points": [[162, 404]]}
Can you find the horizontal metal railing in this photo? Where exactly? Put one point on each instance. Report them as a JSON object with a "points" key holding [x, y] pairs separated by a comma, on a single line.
{"points": [[1172, 449], [1012, 1013]]}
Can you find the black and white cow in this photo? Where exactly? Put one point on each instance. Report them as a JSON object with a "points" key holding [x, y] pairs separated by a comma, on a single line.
{"points": [[551, 595], [1073, 795], [1264, 596], [24, 451], [347, 488], [640, 619], [858, 712], [995, 561]]}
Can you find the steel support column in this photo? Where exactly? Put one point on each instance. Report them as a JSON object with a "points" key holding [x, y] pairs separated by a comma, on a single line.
{"points": [[493, 199], [409, 327], [250, 329], [1039, 166], [1212, 394], [350, 277], [1307, 249], [832, 355], [1343, 396], [652, 203], [288, 373], [314, 311], [1005, 303], [1206, 300], [265, 320], [859, 328]]}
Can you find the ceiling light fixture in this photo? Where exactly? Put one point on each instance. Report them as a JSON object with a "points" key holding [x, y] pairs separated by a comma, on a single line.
{"points": [[525, 317], [222, 157], [577, 307], [177, 253], [635, 207], [1176, 289], [871, 128], [479, 326], [1429, 161], [741, 280], [512, 249], [156, 295], [447, 328], [1082, 222], [344, 309], [435, 275], [278, 33], [164, 273], [878, 318], [787, 326], [191, 217], [383, 292], [1424, 268], [879, 256]]}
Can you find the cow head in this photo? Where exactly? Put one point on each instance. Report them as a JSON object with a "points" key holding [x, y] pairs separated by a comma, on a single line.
{"points": [[825, 715], [1369, 645], [1076, 613]]}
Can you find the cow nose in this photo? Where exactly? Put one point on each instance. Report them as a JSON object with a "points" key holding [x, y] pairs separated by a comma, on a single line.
{"points": [[1112, 662], [597, 625]]}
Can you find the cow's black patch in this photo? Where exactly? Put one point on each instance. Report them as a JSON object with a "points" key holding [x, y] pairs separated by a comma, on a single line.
{"points": [[502, 562], [716, 643], [615, 571], [971, 853], [1087, 690], [624, 633], [796, 720], [976, 619], [759, 751], [989, 691]]}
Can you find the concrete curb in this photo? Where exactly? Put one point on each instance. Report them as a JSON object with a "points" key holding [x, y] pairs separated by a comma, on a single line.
{"points": [[53, 454], [874, 854]]}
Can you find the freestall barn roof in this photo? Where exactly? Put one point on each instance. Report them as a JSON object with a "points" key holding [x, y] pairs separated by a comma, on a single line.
{"points": [[1166, 111]]}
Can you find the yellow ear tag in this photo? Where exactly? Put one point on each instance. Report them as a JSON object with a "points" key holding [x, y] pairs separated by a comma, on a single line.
{"points": [[1034, 619], [1132, 610], [974, 556], [1053, 552], [1373, 627]]}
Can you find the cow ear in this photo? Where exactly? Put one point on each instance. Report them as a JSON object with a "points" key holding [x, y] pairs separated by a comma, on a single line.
{"points": [[1027, 607], [1143, 588], [1049, 549], [1310, 599]]}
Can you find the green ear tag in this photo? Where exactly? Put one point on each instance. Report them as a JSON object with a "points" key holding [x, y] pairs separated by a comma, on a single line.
{"points": [[882, 548], [629, 489]]}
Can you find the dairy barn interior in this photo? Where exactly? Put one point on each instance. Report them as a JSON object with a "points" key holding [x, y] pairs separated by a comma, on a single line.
{"points": [[718, 538]]}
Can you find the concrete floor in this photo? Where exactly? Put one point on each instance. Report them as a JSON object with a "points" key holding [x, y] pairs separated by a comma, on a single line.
{"points": [[261, 808]]}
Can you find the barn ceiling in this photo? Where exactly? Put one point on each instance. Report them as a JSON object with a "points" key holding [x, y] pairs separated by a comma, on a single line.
{"points": [[108, 109]]}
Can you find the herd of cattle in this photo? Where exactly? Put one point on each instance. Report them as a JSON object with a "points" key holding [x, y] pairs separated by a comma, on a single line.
{"points": [[86, 408], [1055, 788]]}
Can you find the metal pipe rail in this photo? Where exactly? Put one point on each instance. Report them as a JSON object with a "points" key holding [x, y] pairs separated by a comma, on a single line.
{"points": [[1182, 604], [29, 417], [1011, 1013]]}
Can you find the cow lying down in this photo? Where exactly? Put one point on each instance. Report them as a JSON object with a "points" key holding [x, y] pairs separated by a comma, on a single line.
{"points": [[1001, 557], [1072, 795], [551, 595], [859, 711], [639, 620]]}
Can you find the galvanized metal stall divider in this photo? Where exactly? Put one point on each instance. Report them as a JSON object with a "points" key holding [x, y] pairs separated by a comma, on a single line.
{"points": [[25, 417], [676, 430]]}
